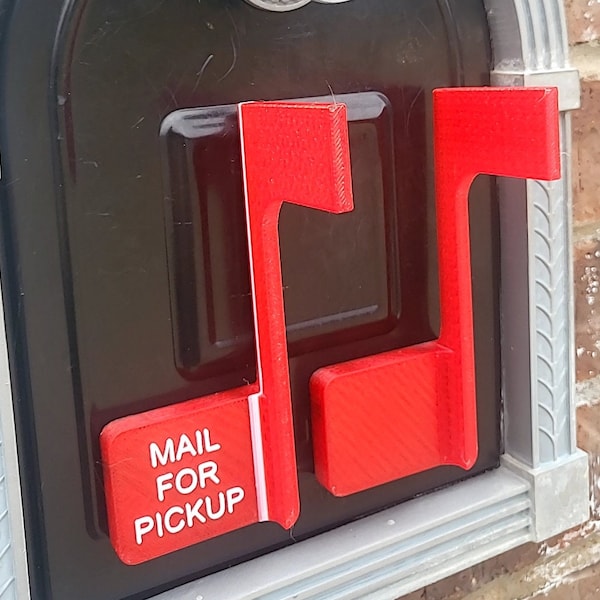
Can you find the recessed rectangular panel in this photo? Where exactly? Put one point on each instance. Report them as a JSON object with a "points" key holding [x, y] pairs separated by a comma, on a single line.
{"points": [[210, 294]]}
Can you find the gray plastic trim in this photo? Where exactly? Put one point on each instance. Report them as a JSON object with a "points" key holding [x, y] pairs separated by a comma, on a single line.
{"points": [[388, 554], [546, 343], [14, 574], [538, 357], [541, 487]]}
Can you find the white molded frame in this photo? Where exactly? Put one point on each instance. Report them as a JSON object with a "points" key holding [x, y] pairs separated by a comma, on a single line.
{"points": [[541, 488]]}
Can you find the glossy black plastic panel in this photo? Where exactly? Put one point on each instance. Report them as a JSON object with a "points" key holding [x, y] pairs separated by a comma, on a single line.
{"points": [[88, 271], [340, 276]]}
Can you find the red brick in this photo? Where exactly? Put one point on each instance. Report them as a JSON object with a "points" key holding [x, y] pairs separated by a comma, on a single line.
{"points": [[420, 595], [588, 439], [587, 308], [568, 591], [583, 17], [459, 585], [586, 155], [589, 584]]}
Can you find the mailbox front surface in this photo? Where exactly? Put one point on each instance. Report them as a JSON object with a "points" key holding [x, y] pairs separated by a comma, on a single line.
{"points": [[124, 251]]}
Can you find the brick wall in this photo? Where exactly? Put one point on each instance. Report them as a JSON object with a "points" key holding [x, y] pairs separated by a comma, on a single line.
{"points": [[568, 567]]}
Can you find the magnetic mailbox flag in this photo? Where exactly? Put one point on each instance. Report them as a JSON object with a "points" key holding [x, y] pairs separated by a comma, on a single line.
{"points": [[185, 473], [383, 417]]}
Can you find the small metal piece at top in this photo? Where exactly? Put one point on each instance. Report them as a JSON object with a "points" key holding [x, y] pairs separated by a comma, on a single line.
{"points": [[285, 5]]}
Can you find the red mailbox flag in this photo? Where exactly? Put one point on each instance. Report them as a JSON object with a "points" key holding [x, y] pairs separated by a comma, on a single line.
{"points": [[387, 416], [185, 473]]}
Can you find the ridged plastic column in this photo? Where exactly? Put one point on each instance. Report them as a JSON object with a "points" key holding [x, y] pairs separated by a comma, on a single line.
{"points": [[529, 42]]}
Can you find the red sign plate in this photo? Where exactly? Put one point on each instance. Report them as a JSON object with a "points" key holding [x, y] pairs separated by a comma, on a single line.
{"points": [[177, 475]]}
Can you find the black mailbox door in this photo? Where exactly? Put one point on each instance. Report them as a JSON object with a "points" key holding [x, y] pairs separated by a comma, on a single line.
{"points": [[124, 260]]}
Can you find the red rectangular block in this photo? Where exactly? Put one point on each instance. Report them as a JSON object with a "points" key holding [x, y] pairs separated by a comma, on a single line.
{"points": [[378, 420], [179, 475]]}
